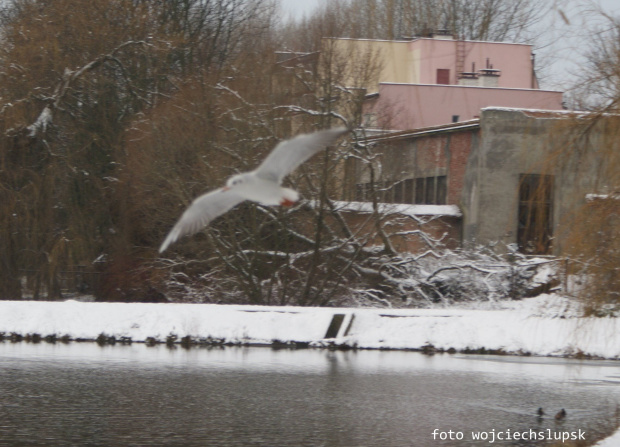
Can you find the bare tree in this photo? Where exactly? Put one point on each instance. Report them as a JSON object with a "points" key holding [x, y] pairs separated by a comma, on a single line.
{"points": [[491, 20], [588, 147], [72, 81], [599, 81], [115, 115]]}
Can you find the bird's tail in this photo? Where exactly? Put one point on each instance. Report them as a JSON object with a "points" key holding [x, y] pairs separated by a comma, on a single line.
{"points": [[172, 237], [289, 197]]}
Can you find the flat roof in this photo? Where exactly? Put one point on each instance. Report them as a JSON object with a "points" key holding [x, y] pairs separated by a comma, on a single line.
{"points": [[422, 131], [474, 124], [405, 84], [428, 38]]}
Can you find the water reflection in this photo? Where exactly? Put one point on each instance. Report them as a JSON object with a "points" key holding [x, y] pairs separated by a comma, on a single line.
{"points": [[82, 394]]}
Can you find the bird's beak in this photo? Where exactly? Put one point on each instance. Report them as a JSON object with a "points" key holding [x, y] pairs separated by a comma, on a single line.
{"points": [[225, 188]]}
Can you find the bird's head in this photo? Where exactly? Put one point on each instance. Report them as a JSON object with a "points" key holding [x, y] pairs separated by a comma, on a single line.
{"points": [[236, 180]]}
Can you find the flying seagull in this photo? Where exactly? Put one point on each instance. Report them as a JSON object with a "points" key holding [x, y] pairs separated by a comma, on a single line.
{"points": [[261, 185]]}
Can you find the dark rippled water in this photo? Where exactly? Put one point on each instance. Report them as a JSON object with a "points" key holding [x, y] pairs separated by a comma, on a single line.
{"points": [[83, 395]]}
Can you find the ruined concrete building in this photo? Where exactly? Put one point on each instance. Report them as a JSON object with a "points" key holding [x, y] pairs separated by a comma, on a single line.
{"points": [[462, 128]]}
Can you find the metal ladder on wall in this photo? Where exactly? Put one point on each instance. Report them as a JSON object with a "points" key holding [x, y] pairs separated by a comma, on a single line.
{"points": [[460, 58]]}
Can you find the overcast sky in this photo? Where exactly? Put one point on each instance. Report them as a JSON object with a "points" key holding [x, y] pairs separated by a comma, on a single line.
{"points": [[567, 43], [559, 57], [297, 8]]}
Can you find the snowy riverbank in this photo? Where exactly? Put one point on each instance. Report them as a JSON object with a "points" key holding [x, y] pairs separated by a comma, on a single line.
{"points": [[546, 325]]}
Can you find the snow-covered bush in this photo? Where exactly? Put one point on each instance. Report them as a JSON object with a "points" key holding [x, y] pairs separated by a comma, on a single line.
{"points": [[450, 276]]}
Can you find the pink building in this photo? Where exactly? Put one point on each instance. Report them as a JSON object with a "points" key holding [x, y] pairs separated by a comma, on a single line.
{"points": [[438, 80], [444, 60], [411, 106]]}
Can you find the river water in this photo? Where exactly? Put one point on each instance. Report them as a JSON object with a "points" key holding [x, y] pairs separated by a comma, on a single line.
{"points": [[85, 395]]}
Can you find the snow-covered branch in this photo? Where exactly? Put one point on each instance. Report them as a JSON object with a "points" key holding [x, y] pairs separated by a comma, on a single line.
{"points": [[69, 77], [302, 110]]}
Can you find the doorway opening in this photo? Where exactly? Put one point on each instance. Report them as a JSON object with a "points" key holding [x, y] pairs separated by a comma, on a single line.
{"points": [[535, 219]]}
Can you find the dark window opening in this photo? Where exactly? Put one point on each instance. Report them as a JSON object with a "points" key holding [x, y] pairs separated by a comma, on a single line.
{"points": [[443, 76], [385, 193], [408, 191], [398, 192], [362, 192], [535, 219], [442, 190], [430, 190], [420, 186]]}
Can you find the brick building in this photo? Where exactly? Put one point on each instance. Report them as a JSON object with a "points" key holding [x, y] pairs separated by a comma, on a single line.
{"points": [[516, 176], [422, 166], [419, 177], [463, 125]]}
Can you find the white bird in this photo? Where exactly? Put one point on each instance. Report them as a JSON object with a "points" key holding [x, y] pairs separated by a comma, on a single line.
{"points": [[261, 185]]}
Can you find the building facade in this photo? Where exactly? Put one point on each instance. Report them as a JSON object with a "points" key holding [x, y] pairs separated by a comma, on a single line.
{"points": [[410, 106], [463, 125], [430, 81], [516, 175]]}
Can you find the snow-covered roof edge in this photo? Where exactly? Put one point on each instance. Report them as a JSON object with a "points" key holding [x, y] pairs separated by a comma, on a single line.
{"points": [[410, 84], [593, 197], [525, 110], [415, 38], [400, 208], [448, 127]]}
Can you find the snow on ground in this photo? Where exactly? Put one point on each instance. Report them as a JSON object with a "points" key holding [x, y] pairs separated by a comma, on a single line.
{"points": [[612, 441], [546, 325]]}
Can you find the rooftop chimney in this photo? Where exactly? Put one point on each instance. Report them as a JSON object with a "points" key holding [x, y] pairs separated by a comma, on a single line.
{"points": [[489, 77], [441, 34]]}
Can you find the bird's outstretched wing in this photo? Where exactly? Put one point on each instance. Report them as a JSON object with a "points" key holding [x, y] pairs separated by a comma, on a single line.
{"points": [[202, 211], [289, 154]]}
